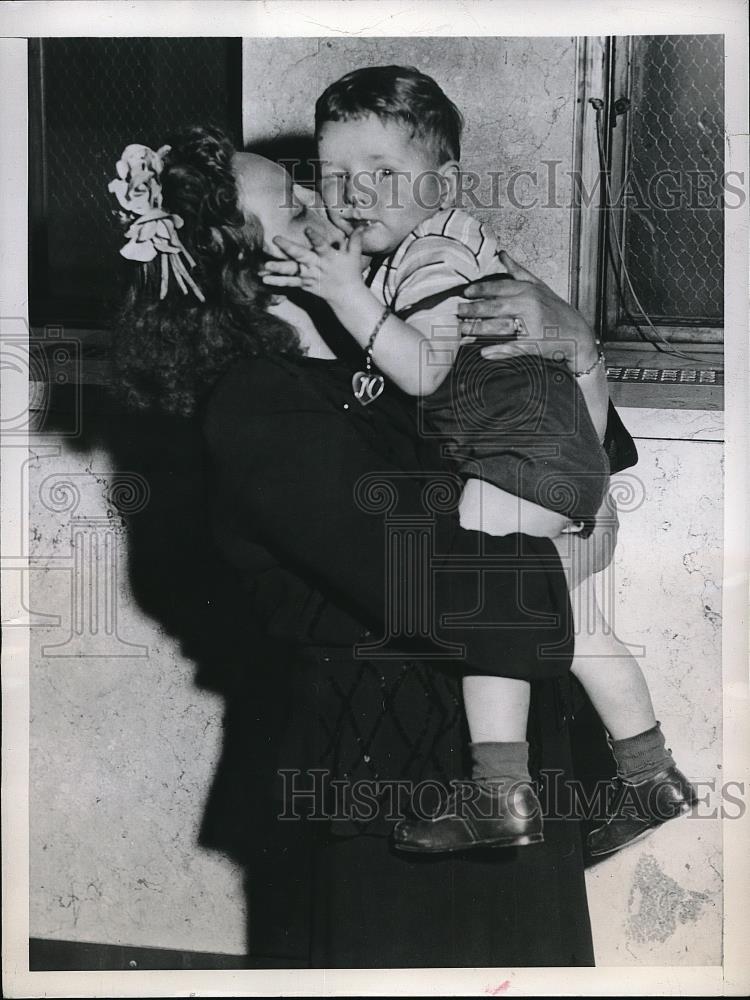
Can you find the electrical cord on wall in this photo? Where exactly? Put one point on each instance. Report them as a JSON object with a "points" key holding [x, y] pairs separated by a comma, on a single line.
{"points": [[661, 345]]}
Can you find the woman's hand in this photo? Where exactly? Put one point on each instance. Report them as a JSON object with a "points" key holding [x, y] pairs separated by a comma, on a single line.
{"points": [[529, 317], [327, 268]]}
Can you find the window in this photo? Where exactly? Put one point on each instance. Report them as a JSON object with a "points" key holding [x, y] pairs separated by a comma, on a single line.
{"points": [[659, 252], [674, 226], [89, 98]]}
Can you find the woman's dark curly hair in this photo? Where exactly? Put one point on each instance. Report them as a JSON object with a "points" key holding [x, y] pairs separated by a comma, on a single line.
{"points": [[168, 353]]}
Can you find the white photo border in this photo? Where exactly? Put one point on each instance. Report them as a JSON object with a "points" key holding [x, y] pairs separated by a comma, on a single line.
{"points": [[382, 18]]}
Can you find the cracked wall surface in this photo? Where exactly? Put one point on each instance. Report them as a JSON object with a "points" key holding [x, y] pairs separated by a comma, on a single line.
{"points": [[660, 901]]}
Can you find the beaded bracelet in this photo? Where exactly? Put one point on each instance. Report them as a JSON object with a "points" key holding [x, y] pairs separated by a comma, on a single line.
{"points": [[588, 371], [366, 385], [368, 350]]}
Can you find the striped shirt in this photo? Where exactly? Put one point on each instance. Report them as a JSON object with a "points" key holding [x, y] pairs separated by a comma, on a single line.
{"points": [[422, 279], [521, 425]]}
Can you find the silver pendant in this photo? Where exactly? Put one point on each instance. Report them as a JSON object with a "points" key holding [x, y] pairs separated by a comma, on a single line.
{"points": [[367, 387]]}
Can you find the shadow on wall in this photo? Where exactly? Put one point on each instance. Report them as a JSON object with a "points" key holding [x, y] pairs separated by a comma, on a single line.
{"points": [[179, 579]]}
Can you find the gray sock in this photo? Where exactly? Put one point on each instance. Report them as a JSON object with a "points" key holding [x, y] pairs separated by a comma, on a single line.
{"points": [[500, 763], [640, 757]]}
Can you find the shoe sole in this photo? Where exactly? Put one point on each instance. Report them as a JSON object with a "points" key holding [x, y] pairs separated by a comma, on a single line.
{"points": [[685, 808], [529, 838]]}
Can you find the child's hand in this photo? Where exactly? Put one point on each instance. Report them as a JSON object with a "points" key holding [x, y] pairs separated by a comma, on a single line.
{"points": [[328, 270]]}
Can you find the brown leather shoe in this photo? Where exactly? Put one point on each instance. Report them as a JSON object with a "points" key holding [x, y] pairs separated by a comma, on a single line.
{"points": [[480, 815], [636, 808]]}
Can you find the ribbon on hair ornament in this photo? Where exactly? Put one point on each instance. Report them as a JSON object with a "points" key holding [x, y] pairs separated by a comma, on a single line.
{"points": [[152, 231]]}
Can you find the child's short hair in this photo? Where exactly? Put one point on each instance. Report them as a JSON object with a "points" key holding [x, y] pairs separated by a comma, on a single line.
{"points": [[398, 94]]}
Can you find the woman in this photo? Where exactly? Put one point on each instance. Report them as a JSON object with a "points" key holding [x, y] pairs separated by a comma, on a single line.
{"points": [[306, 485]]}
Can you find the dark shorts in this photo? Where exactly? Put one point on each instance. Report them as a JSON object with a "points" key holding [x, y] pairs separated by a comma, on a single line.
{"points": [[521, 424]]}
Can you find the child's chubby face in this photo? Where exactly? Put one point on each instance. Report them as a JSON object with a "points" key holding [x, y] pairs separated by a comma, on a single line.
{"points": [[374, 174], [266, 192]]}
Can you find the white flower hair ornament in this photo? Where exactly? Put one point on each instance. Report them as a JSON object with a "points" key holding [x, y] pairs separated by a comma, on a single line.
{"points": [[152, 231]]}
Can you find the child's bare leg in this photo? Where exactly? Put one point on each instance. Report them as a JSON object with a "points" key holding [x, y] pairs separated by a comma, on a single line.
{"points": [[486, 507], [610, 674], [497, 708], [497, 713], [501, 808], [608, 671], [651, 790]]}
